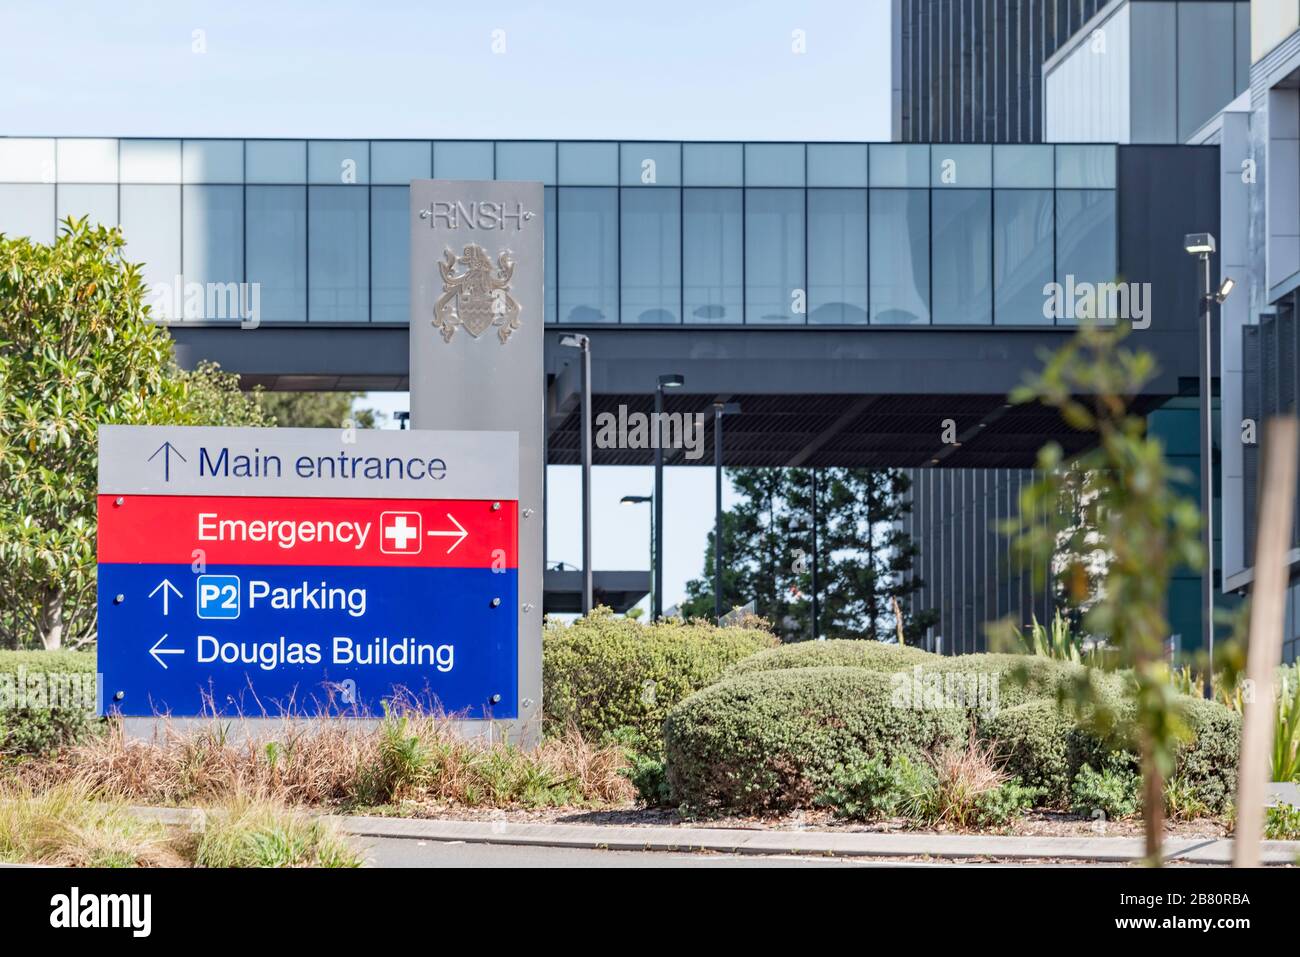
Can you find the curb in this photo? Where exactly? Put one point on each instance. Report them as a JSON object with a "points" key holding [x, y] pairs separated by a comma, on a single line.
{"points": [[1113, 850]]}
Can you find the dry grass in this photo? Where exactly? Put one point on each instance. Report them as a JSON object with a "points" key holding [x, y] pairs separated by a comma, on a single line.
{"points": [[963, 777], [408, 757], [71, 825]]}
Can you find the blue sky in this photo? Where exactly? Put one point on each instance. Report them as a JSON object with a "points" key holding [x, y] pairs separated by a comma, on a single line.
{"points": [[582, 70]]}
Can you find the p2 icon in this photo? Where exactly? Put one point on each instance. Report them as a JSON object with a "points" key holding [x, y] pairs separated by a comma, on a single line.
{"points": [[218, 596]]}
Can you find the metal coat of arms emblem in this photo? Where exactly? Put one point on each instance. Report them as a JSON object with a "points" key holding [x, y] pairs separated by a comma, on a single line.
{"points": [[477, 298]]}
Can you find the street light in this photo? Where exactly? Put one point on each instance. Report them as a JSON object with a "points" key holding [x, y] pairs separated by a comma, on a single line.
{"points": [[1203, 246], [578, 341], [641, 500], [669, 381], [719, 410]]}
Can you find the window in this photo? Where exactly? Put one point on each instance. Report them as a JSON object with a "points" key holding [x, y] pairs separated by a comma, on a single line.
{"points": [[774, 164], [1085, 238], [588, 254], [213, 242], [212, 161], [463, 160], [275, 161], [277, 250], [651, 226], [390, 253], [151, 224], [338, 254], [712, 255], [588, 164], [87, 161], [1022, 255], [94, 200], [837, 255], [962, 268], [713, 164], [150, 161], [837, 164], [900, 256], [398, 162], [650, 164], [338, 162], [527, 162], [27, 210], [774, 263]]}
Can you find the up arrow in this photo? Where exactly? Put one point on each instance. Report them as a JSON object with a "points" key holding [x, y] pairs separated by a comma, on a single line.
{"points": [[166, 586], [460, 534], [167, 450], [156, 651]]}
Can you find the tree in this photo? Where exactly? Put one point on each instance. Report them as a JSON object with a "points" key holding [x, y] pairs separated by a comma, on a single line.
{"points": [[864, 556], [77, 349], [311, 410], [1132, 512]]}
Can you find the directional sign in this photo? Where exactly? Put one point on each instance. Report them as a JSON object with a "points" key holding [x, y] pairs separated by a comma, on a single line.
{"points": [[265, 571]]}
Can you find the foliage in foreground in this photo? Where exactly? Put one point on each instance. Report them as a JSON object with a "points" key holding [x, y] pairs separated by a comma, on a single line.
{"points": [[46, 700]]}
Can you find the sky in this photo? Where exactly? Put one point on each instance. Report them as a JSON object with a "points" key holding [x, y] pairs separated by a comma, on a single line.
{"points": [[721, 70]]}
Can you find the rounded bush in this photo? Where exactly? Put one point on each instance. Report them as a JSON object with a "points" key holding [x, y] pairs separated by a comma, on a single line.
{"points": [[47, 700], [1208, 763], [1013, 679], [603, 674], [773, 740], [1042, 745], [839, 653]]}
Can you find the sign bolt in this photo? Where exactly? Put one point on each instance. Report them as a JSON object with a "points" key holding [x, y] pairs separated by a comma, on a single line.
{"points": [[496, 602], [495, 699], [118, 599], [496, 506], [527, 702], [528, 606], [528, 513], [119, 501], [119, 695]]}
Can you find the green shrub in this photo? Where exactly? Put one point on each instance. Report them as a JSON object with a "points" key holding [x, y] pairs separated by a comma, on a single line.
{"points": [[1282, 823], [1113, 790], [1016, 679], [47, 700], [1208, 763], [1039, 744], [774, 739], [864, 791], [1005, 803], [838, 653], [603, 673]]}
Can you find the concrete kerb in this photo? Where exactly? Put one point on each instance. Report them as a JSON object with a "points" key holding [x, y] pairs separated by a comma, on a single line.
{"points": [[1112, 850]]}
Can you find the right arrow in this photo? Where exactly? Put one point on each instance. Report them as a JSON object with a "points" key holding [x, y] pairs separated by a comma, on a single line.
{"points": [[460, 535], [156, 651]]}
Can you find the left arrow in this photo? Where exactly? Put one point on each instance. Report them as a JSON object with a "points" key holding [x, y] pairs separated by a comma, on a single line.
{"points": [[167, 450], [156, 651], [166, 586]]}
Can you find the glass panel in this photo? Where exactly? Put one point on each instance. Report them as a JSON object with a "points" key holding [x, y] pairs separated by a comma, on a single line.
{"points": [[650, 164], [589, 164], [552, 278], [26, 161], [774, 236], [1022, 255], [837, 255], [713, 164], [1023, 167], [151, 223], [837, 164], [900, 255], [338, 254], [1085, 241], [774, 164], [1153, 76], [390, 254], [960, 167], [97, 201], [526, 162], [87, 161], [962, 267], [338, 162], [1206, 76], [275, 161], [212, 161], [151, 161], [400, 162], [27, 210], [277, 250], [651, 227], [895, 164], [1085, 167], [213, 246], [712, 255], [588, 255], [463, 160]]}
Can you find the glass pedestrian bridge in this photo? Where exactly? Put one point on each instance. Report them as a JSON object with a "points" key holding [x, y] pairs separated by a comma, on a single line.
{"points": [[647, 234]]}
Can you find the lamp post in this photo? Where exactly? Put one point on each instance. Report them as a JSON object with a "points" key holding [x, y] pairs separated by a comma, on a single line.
{"points": [[670, 381], [1203, 246], [719, 410], [640, 500], [579, 341]]}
